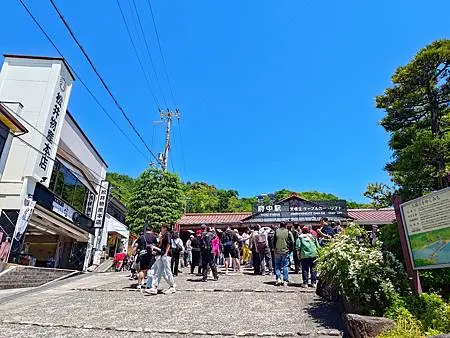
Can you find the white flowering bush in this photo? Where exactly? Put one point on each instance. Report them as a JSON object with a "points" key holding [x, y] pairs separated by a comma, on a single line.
{"points": [[368, 280]]}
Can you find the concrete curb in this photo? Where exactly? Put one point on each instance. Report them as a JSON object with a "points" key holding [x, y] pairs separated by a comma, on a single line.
{"points": [[7, 270], [74, 273], [321, 333], [309, 291]]}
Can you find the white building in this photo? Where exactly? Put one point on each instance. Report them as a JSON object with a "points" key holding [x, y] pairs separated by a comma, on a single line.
{"points": [[45, 154], [115, 234]]}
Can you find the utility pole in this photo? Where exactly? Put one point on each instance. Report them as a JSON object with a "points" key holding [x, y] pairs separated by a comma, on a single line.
{"points": [[167, 115]]}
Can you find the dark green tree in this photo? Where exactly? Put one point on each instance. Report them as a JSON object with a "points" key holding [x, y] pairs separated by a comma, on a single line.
{"points": [[282, 194], [122, 186], [158, 196], [380, 194], [317, 196], [224, 202], [244, 204], [418, 119], [201, 197]]}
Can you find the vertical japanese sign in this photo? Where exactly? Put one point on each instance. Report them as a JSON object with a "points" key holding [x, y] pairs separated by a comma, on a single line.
{"points": [[51, 129], [90, 204], [102, 205], [427, 225]]}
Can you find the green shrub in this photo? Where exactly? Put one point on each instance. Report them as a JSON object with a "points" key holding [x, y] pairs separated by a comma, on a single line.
{"points": [[432, 311], [406, 326], [367, 278], [436, 280], [429, 310], [391, 240]]}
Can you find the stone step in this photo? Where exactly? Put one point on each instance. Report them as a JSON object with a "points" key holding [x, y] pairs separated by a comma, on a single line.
{"points": [[26, 276]]}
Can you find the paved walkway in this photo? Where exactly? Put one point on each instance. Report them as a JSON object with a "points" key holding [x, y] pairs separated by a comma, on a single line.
{"points": [[108, 305]]}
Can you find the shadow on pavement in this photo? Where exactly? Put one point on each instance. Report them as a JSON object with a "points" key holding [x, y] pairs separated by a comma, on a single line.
{"points": [[272, 283], [197, 280], [131, 286], [293, 285], [327, 314]]}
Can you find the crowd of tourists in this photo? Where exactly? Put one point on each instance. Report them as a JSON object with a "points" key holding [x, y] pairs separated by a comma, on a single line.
{"points": [[275, 250]]}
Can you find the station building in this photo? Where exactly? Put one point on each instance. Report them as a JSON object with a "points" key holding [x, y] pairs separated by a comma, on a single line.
{"points": [[292, 210]]}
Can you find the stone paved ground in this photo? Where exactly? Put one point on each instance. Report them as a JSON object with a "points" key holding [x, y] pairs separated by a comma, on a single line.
{"points": [[108, 305]]}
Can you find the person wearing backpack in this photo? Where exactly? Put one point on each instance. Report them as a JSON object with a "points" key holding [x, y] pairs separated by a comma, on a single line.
{"points": [[307, 247], [177, 249], [261, 243], [195, 244], [207, 254], [146, 257], [229, 240], [284, 244]]}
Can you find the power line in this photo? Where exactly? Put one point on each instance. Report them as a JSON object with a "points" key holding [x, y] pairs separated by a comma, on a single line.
{"points": [[148, 52], [42, 153], [137, 55], [81, 80], [54, 159], [161, 52], [72, 34]]}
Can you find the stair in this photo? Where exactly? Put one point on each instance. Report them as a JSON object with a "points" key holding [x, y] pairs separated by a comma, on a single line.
{"points": [[18, 276], [105, 266]]}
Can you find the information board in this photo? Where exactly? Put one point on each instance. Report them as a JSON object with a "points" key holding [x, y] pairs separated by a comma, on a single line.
{"points": [[427, 226]]}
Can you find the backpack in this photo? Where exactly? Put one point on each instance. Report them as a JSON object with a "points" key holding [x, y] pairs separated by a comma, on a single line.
{"points": [[270, 239], [261, 242], [206, 242], [227, 239], [308, 244], [175, 246], [290, 242]]}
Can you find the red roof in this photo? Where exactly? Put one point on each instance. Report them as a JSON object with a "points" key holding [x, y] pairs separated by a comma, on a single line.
{"points": [[216, 218], [361, 216], [373, 216]]}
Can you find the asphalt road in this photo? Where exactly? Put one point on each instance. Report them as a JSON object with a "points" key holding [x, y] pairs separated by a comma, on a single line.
{"points": [[108, 305]]}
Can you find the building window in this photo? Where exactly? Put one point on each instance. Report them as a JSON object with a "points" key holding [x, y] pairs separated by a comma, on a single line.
{"points": [[116, 213], [4, 131], [68, 187]]}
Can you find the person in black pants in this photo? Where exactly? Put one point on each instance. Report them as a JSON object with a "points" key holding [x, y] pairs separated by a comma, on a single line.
{"points": [[296, 232], [177, 248], [207, 254], [195, 244]]}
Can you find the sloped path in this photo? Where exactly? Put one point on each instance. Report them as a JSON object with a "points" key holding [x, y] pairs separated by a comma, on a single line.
{"points": [[108, 305]]}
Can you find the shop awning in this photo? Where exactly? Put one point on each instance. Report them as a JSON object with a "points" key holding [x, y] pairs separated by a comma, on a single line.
{"points": [[53, 223], [10, 121]]}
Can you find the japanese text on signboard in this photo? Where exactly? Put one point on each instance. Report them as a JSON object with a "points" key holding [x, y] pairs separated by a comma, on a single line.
{"points": [[51, 128], [101, 205]]}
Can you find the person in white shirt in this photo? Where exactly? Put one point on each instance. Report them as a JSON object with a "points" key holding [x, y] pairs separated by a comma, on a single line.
{"points": [[188, 250]]}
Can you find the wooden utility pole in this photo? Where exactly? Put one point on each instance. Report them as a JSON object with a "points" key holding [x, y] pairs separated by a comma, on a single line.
{"points": [[167, 115]]}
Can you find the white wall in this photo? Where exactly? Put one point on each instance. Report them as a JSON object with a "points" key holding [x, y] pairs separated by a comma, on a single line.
{"points": [[80, 147], [34, 83]]}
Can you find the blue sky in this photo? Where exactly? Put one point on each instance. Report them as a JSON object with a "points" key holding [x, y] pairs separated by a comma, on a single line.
{"points": [[272, 94]]}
